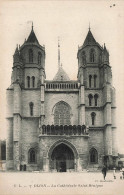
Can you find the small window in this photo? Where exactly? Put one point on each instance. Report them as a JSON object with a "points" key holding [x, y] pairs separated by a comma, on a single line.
{"points": [[33, 81], [95, 77], [61, 78], [28, 81], [83, 58], [96, 99], [31, 105], [92, 55], [93, 115], [93, 156], [90, 99], [39, 57], [90, 80], [30, 55], [32, 156]]}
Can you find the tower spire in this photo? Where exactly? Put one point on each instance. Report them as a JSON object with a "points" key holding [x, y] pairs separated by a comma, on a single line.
{"points": [[32, 26], [58, 53]]}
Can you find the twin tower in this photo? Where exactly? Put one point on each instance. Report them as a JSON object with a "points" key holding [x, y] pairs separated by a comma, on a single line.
{"points": [[61, 124]]}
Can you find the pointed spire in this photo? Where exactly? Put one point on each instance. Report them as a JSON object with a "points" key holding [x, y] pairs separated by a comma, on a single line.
{"points": [[104, 47], [89, 26], [58, 54], [89, 39], [32, 37], [16, 50], [32, 26], [61, 75]]}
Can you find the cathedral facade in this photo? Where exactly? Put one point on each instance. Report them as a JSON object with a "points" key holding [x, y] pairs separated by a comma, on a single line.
{"points": [[61, 124]]}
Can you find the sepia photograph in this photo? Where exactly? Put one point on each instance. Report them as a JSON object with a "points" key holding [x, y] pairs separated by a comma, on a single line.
{"points": [[62, 97]]}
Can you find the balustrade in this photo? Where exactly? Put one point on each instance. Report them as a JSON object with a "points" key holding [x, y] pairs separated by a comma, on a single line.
{"points": [[63, 130], [61, 85]]}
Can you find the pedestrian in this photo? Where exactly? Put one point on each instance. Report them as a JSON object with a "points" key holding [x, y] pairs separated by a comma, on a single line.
{"points": [[121, 173], [114, 171], [104, 171]]}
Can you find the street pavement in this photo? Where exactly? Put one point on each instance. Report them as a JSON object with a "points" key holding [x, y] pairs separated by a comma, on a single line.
{"points": [[84, 183]]}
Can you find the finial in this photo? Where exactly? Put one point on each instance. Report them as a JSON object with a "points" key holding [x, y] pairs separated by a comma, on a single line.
{"points": [[32, 26], [104, 46], [89, 26]]}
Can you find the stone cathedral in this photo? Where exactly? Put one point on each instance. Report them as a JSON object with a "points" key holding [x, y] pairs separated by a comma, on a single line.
{"points": [[61, 125]]}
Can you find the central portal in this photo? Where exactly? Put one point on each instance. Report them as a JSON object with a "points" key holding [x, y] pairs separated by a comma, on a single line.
{"points": [[62, 158]]}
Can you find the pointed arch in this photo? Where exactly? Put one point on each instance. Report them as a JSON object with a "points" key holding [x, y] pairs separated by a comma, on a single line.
{"points": [[96, 99], [31, 105], [63, 141], [93, 155], [92, 55], [39, 58], [83, 58], [62, 113], [95, 78], [32, 154], [30, 55], [90, 99], [33, 81], [90, 81], [93, 115], [28, 81]]}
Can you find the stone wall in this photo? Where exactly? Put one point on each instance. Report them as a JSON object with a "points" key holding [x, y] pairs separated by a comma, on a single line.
{"points": [[52, 98]]}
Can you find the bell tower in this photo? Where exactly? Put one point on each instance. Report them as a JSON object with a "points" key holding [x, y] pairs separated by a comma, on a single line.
{"points": [[96, 93]]}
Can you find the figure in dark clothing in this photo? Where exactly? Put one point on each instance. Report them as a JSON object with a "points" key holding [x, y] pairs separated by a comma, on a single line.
{"points": [[104, 171]]}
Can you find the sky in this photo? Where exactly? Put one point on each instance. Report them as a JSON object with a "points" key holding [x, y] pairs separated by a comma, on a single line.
{"points": [[68, 20]]}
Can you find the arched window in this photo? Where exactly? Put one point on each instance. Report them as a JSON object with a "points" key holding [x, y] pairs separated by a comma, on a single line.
{"points": [[31, 105], [28, 81], [92, 55], [33, 81], [32, 156], [90, 99], [90, 80], [83, 58], [96, 99], [95, 77], [62, 114], [30, 55], [61, 78], [39, 57], [93, 156], [93, 115]]}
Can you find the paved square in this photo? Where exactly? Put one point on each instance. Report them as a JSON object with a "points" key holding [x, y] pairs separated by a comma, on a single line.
{"points": [[60, 183]]}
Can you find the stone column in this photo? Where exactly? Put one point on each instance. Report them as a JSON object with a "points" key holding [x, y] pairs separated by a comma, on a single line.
{"points": [[107, 122], [46, 164], [79, 168], [42, 89], [82, 105], [16, 124]]}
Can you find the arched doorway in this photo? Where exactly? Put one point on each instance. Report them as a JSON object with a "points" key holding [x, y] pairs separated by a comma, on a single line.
{"points": [[62, 158]]}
